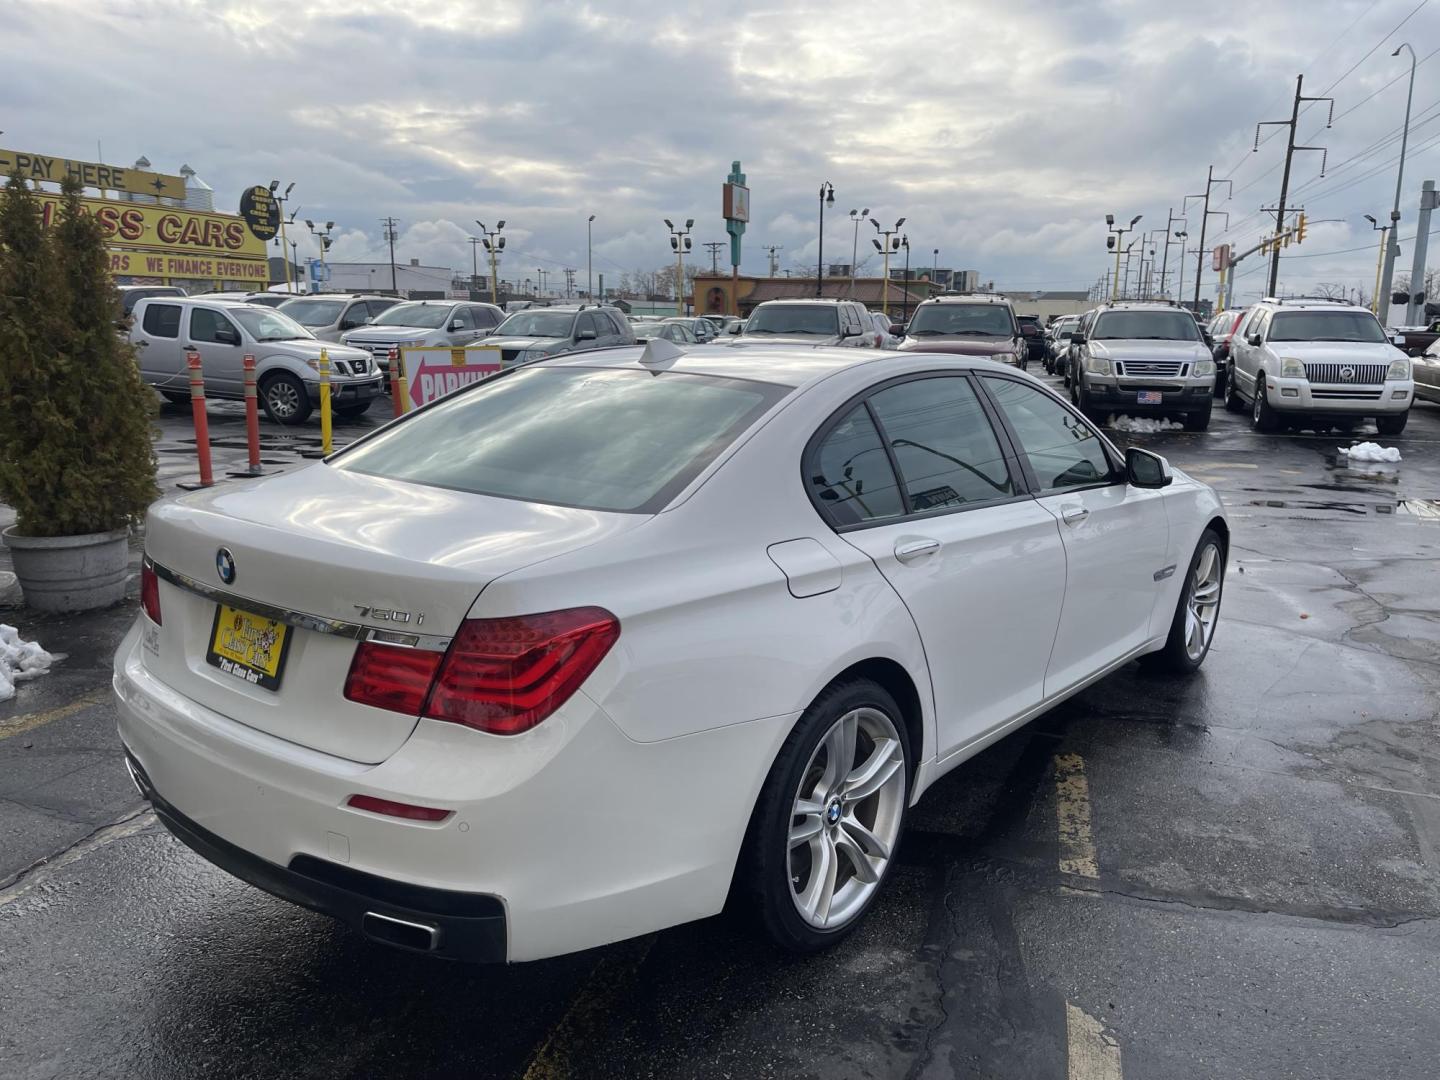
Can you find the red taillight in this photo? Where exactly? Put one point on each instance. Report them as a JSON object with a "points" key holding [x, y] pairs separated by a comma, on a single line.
{"points": [[504, 676], [390, 677], [150, 593], [397, 809]]}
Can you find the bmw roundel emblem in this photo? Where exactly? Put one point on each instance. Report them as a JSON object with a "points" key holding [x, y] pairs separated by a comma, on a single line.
{"points": [[225, 565]]}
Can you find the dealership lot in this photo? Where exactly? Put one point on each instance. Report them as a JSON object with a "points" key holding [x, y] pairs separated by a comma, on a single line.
{"points": [[1233, 875]]}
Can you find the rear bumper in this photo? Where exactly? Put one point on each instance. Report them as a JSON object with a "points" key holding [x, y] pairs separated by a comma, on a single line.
{"points": [[452, 925]]}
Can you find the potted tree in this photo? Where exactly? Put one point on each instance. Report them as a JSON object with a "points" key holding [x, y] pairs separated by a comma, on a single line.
{"points": [[76, 460]]}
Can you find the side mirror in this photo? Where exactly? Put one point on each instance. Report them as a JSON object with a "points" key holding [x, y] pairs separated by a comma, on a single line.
{"points": [[456, 324], [1146, 470], [897, 330], [1253, 339], [1028, 329], [585, 335], [1209, 341], [226, 336], [735, 328], [1077, 339]]}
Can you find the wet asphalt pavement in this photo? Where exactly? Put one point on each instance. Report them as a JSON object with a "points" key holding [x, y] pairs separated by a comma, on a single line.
{"points": [[1232, 876]]}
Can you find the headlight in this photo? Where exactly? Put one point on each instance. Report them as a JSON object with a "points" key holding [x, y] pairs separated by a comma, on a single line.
{"points": [[1399, 369], [1097, 365], [1003, 357], [1290, 368], [1205, 368]]}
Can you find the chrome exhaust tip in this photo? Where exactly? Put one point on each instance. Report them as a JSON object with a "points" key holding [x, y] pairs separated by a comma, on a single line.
{"points": [[389, 930]]}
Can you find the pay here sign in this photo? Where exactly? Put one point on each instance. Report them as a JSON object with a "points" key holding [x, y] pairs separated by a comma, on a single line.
{"points": [[435, 372]]}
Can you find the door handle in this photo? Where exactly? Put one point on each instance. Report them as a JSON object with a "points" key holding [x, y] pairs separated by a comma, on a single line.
{"points": [[915, 549], [1073, 515]]}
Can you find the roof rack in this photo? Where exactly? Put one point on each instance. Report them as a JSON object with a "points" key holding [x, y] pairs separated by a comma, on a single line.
{"points": [[1283, 300]]}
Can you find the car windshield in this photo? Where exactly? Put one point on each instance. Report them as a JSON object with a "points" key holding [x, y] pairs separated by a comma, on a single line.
{"points": [[1063, 328], [313, 312], [1146, 326], [556, 324], [425, 316], [794, 319], [600, 439], [977, 320], [1326, 326], [267, 324]]}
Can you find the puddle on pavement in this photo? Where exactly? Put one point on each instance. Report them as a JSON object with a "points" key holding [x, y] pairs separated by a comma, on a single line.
{"points": [[1425, 509]]}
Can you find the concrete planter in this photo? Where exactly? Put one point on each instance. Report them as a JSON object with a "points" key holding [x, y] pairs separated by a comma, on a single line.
{"points": [[70, 573]]}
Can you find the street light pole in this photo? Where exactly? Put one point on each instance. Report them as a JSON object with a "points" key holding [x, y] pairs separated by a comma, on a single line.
{"points": [[856, 216], [589, 272], [322, 238], [826, 189], [891, 244], [680, 244], [1393, 248], [905, 298], [1113, 242], [284, 240], [1379, 261], [1182, 235], [494, 244]]}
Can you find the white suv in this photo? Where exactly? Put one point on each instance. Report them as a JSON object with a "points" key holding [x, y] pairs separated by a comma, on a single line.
{"points": [[1322, 358], [1137, 356], [810, 322]]}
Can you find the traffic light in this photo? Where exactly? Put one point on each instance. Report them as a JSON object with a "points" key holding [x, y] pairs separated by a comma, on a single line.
{"points": [[1300, 229], [1264, 245], [1285, 240]]}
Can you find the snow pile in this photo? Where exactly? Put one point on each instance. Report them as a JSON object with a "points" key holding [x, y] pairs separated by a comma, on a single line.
{"points": [[1369, 451], [1144, 425], [19, 660]]}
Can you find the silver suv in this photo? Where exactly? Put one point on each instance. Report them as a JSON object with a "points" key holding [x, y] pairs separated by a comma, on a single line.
{"points": [[536, 332], [330, 315], [419, 323], [810, 322], [1318, 358], [1135, 356], [223, 332]]}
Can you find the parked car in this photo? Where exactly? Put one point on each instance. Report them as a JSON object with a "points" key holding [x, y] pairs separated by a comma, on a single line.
{"points": [[809, 322], [883, 327], [703, 330], [329, 315], [419, 323], [1222, 330], [1324, 360], [1143, 356], [529, 335], [726, 324], [287, 357], [458, 684], [130, 295], [1033, 331], [673, 330], [1057, 342], [1418, 339], [1425, 370], [972, 325]]}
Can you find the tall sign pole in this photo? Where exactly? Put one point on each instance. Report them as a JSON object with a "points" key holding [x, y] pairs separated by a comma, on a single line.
{"points": [[736, 200]]}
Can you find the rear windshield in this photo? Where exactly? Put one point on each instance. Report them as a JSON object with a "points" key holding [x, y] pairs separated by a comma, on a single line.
{"points": [[1146, 326], [1325, 326], [598, 439], [794, 319], [314, 312], [972, 320], [423, 316]]}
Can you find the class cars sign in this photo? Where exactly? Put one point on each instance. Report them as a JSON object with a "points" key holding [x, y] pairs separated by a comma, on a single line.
{"points": [[162, 241]]}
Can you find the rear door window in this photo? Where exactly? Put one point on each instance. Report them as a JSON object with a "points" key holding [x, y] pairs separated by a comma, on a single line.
{"points": [[849, 473], [162, 320], [944, 446], [600, 439]]}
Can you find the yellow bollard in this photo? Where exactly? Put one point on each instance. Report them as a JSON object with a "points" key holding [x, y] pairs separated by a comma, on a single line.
{"points": [[402, 399], [325, 400]]}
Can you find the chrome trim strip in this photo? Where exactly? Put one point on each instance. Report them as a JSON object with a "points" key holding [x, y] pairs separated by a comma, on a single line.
{"points": [[300, 619]]}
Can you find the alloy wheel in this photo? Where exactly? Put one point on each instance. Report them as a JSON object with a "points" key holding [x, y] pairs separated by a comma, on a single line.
{"points": [[846, 818], [1202, 606], [282, 399]]}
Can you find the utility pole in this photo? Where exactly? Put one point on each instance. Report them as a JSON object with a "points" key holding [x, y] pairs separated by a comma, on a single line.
{"points": [[1210, 182], [589, 261], [856, 216], [1415, 306], [569, 282], [771, 253], [1290, 149], [390, 224], [474, 264], [1165, 262], [1393, 250], [714, 246]]}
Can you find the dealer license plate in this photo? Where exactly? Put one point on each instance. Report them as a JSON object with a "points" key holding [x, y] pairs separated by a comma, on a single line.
{"points": [[1149, 397], [249, 647]]}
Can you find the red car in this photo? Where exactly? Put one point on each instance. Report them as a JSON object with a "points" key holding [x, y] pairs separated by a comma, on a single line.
{"points": [[1222, 329]]}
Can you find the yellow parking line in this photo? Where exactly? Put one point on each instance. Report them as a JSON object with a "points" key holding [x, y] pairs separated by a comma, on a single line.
{"points": [[1072, 805], [1093, 1053], [30, 721], [587, 1017]]}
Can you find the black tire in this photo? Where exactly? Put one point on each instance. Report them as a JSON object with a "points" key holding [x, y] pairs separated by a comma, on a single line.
{"points": [[1262, 416], [176, 397], [285, 399], [1197, 421], [764, 873], [1233, 401], [350, 412], [1392, 425], [1083, 402], [1220, 380], [1175, 656]]}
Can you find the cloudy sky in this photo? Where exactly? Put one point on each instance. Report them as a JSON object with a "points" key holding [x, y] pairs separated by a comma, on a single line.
{"points": [[1003, 133]]}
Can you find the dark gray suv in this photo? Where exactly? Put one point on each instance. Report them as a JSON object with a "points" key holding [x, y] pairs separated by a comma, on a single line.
{"points": [[536, 332]]}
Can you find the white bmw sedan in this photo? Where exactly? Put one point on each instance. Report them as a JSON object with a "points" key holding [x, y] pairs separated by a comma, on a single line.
{"points": [[573, 654]]}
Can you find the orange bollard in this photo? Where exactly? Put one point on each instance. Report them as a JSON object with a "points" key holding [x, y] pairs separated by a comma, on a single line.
{"points": [[202, 422], [252, 414]]}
